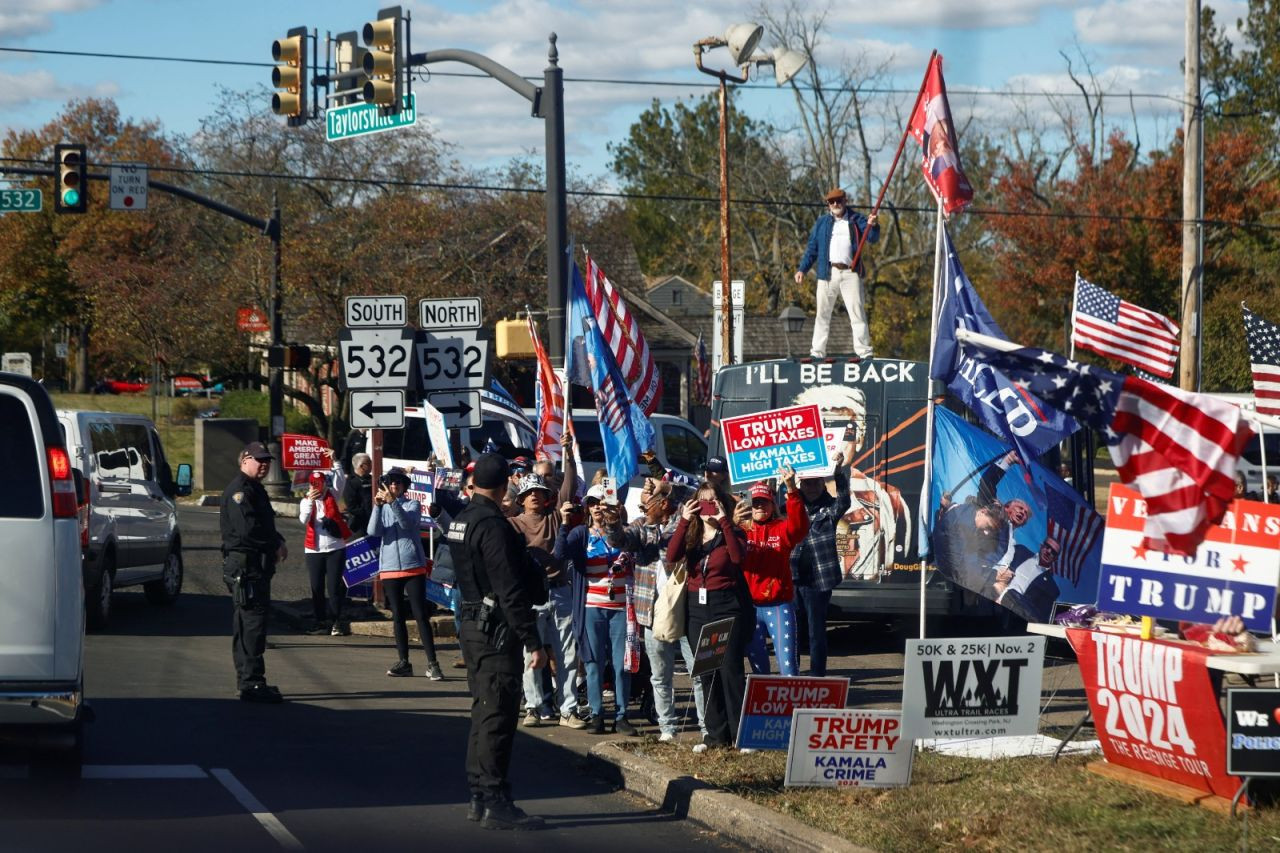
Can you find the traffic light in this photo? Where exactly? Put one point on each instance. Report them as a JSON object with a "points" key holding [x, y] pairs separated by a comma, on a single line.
{"points": [[291, 76], [289, 356], [384, 63], [348, 59], [71, 194]]}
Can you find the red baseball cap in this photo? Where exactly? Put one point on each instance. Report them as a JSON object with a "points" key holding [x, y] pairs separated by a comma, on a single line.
{"points": [[761, 490], [317, 479]]}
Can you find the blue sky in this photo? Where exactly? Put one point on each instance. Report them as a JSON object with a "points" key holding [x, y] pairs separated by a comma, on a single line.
{"points": [[992, 45]]}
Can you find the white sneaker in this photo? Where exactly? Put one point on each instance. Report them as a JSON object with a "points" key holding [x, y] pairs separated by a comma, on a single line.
{"points": [[666, 737], [700, 748]]}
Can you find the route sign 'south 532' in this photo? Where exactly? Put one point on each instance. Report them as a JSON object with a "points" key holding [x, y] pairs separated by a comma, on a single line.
{"points": [[363, 119], [376, 358]]}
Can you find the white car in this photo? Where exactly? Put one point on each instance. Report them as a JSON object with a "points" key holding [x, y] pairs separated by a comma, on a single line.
{"points": [[42, 607], [132, 536]]}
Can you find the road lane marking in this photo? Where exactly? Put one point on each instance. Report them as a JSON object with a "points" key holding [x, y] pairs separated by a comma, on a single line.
{"points": [[142, 771], [251, 803]]}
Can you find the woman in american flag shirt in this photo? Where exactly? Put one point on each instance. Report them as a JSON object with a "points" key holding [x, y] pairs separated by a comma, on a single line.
{"points": [[603, 575]]}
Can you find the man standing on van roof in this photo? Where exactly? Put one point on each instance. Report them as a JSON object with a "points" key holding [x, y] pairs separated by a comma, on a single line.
{"points": [[251, 547], [832, 244]]}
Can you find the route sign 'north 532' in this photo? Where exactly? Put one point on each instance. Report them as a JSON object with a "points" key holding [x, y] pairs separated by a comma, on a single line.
{"points": [[363, 119]]}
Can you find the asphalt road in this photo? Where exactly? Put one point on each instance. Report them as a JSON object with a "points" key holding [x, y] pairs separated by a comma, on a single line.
{"points": [[353, 760]]}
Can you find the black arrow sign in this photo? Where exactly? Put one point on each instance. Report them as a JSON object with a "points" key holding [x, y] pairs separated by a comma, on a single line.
{"points": [[369, 409], [460, 409]]}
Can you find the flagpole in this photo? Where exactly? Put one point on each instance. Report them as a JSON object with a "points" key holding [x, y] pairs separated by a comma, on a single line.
{"points": [[1071, 340], [862, 238], [926, 500]]}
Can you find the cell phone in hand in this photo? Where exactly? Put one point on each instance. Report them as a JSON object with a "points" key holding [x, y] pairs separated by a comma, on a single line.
{"points": [[708, 508], [610, 487]]}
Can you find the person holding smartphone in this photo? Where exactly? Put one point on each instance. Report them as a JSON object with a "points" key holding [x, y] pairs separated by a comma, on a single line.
{"points": [[713, 550], [402, 567], [325, 554], [602, 581], [770, 540]]}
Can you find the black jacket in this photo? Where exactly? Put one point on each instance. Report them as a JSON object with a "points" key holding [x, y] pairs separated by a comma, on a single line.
{"points": [[489, 559], [248, 525], [357, 500]]}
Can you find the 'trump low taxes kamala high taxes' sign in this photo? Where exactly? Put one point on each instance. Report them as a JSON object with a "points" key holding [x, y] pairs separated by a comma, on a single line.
{"points": [[757, 445], [1233, 572], [769, 700]]}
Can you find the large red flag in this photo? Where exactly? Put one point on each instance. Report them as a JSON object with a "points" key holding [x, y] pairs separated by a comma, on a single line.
{"points": [[933, 128], [550, 402]]}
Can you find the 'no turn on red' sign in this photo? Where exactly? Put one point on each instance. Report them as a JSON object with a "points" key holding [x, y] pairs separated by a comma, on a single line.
{"points": [[128, 186]]}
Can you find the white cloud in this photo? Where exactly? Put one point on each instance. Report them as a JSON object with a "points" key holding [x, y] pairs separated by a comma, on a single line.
{"points": [[17, 90], [19, 18], [975, 15]]}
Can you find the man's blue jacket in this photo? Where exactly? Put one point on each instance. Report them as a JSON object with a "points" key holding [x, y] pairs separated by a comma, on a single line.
{"points": [[820, 241]]}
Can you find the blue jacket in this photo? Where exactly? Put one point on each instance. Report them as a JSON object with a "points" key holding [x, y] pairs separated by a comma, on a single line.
{"points": [[398, 525], [819, 247]]}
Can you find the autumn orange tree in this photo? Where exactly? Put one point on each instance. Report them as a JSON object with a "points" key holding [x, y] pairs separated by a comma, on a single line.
{"points": [[1117, 220]]}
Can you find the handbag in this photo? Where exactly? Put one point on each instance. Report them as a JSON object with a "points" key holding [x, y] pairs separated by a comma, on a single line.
{"points": [[669, 608]]}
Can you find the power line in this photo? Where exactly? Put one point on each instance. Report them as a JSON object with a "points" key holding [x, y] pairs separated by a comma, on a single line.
{"points": [[615, 81], [633, 196]]}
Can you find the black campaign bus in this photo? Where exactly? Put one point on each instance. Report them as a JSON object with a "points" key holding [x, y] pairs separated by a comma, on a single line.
{"points": [[882, 403]]}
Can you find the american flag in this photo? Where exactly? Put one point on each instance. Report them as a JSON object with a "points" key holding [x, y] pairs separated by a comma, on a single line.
{"points": [[550, 401], [1264, 359], [1104, 323], [1178, 449], [622, 335], [701, 374], [1076, 529]]}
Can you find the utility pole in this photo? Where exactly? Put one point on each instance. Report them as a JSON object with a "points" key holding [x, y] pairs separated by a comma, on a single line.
{"points": [[1192, 204]]}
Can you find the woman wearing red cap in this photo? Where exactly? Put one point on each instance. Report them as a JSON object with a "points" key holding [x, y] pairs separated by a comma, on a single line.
{"points": [[325, 544], [767, 568]]}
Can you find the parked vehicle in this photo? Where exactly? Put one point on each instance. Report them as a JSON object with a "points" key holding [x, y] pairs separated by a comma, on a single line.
{"points": [[677, 443], [132, 536], [882, 405], [42, 608]]}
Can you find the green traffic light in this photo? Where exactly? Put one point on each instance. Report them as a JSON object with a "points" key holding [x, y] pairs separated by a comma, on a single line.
{"points": [[71, 198]]}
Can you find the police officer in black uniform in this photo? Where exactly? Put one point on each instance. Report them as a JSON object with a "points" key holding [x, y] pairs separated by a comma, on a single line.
{"points": [[499, 588], [251, 547]]}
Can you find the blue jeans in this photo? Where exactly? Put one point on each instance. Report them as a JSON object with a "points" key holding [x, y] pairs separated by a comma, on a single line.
{"points": [[607, 634], [566, 650], [536, 697], [662, 659], [811, 605], [779, 622], [455, 604]]}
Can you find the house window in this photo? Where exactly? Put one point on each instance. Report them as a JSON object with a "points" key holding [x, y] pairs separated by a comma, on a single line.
{"points": [[677, 297]]}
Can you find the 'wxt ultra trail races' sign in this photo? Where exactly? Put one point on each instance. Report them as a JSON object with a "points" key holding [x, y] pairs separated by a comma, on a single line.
{"points": [[984, 687]]}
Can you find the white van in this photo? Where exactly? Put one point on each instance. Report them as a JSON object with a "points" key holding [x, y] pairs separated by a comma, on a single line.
{"points": [[677, 443], [132, 535], [42, 606]]}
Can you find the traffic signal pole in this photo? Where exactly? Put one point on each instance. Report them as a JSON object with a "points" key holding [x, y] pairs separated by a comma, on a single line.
{"points": [[548, 104], [276, 484]]}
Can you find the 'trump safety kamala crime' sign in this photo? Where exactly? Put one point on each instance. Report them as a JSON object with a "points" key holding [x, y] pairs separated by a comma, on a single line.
{"points": [[769, 700], [848, 747], [758, 445], [1233, 572]]}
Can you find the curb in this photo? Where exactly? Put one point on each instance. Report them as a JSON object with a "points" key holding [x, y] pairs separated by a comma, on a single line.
{"points": [[747, 823], [298, 615]]}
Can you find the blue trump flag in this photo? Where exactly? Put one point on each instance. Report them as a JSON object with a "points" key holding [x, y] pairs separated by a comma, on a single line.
{"points": [[625, 432], [1004, 407], [1023, 545]]}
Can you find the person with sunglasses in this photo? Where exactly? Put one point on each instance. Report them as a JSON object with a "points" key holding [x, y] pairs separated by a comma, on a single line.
{"points": [[832, 245]]}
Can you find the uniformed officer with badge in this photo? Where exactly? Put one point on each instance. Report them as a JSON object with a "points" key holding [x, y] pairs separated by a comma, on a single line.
{"points": [[499, 587], [251, 547]]}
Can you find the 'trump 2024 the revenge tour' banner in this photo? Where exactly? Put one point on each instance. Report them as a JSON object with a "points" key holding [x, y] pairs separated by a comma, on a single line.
{"points": [[1155, 708]]}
